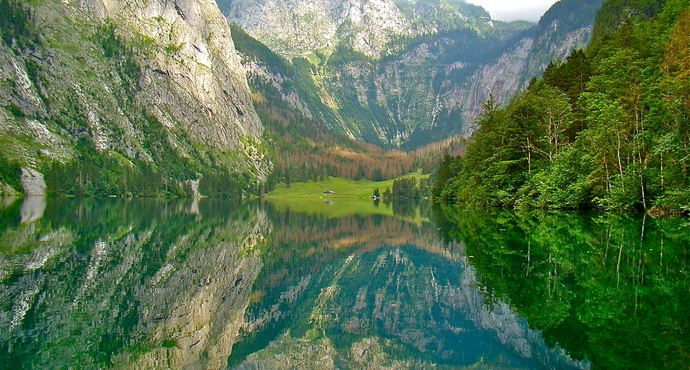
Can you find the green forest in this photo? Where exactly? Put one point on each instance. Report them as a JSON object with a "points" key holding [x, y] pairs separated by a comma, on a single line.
{"points": [[607, 128]]}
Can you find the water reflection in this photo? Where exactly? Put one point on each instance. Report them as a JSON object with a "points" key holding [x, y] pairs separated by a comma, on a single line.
{"points": [[138, 283], [33, 207], [378, 292], [215, 284], [610, 288]]}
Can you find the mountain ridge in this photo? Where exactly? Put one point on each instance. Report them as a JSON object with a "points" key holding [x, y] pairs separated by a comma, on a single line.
{"points": [[425, 87], [302, 27]]}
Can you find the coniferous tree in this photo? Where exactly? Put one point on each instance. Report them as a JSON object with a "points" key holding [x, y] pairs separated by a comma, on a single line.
{"points": [[608, 128]]}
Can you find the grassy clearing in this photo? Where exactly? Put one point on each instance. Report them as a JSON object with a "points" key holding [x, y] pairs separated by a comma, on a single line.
{"points": [[351, 198], [343, 188], [331, 208]]}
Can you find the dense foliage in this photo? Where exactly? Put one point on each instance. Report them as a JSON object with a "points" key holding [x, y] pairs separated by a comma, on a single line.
{"points": [[94, 173], [607, 128], [409, 188], [9, 174], [15, 23]]}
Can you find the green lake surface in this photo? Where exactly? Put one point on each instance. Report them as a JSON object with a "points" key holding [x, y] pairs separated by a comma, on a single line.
{"points": [[214, 284]]}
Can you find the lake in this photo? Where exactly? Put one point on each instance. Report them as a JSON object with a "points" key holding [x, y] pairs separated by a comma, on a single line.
{"points": [[150, 283]]}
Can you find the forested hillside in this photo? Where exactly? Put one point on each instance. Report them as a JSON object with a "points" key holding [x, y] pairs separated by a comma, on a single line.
{"points": [[608, 128]]}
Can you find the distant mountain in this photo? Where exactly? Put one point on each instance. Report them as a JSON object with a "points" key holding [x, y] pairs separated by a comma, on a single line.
{"points": [[566, 26], [401, 73], [372, 27]]}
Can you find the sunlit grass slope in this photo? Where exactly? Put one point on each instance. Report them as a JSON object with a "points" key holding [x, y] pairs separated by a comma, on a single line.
{"points": [[343, 188], [351, 198]]}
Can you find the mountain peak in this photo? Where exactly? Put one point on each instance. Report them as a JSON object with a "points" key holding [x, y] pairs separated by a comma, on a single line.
{"points": [[301, 27], [402, 73]]}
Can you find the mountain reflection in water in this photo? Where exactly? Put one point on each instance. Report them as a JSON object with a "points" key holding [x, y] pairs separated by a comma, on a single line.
{"points": [[147, 283]]}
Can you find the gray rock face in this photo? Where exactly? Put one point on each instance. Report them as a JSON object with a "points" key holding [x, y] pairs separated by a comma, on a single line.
{"points": [[32, 182], [115, 71], [192, 75], [369, 26], [512, 71], [419, 91]]}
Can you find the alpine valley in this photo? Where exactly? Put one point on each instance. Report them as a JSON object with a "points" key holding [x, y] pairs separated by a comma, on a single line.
{"points": [[172, 98], [245, 184], [398, 74]]}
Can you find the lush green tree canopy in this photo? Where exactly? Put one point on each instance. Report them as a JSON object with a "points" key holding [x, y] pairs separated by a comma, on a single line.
{"points": [[607, 128]]}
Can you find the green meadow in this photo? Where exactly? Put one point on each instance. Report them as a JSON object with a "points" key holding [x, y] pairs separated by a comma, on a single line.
{"points": [[351, 198], [343, 188]]}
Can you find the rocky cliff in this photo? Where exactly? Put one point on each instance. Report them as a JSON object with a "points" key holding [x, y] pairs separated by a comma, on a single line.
{"points": [[567, 26], [426, 81], [147, 83], [317, 27]]}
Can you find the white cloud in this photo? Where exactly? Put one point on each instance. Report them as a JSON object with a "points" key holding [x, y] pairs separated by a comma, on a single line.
{"points": [[510, 10]]}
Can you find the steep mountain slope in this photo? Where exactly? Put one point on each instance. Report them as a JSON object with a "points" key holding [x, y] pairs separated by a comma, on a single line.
{"points": [[127, 97], [565, 27], [371, 27], [425, 82], [303, 148]]}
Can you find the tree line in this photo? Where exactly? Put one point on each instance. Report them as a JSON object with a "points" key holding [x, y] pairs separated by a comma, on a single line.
{"points": [[16, 24], [607, 128]]}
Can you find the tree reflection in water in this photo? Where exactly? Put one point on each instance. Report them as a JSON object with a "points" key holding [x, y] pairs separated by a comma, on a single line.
{"points": [[612, 288]]}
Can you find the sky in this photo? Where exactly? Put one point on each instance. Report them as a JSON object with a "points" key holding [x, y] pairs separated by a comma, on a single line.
{"points": [[510, 10]]}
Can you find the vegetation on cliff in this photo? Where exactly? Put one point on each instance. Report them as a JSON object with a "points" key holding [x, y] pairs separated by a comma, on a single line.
{"points": [[608, 128], [101, 105], [422, 85]]}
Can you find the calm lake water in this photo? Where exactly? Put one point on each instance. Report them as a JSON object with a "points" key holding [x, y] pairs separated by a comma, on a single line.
{"points": [[149, 284]]}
